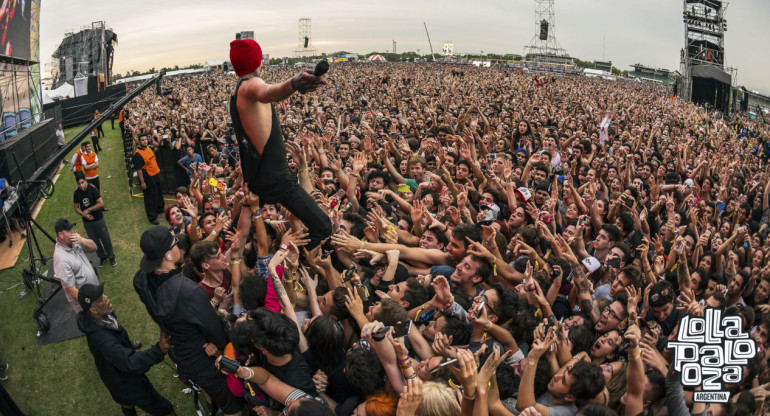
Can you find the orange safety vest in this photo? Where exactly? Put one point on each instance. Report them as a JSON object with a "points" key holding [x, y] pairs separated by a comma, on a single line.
{"points": [[78, 165], [88, 159], [150, 165]]}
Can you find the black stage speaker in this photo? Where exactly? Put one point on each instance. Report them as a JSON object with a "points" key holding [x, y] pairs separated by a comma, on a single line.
{"points": [[93, 86], [544, 30], [306, 41], [32, 148]]}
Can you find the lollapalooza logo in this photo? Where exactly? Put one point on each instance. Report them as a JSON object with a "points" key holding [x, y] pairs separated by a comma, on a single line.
{"points": [[710, 352]]}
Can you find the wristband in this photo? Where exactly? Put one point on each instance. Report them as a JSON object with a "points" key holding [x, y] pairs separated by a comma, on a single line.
{"points": [[404, 360], [251, 374], [283, 247]]}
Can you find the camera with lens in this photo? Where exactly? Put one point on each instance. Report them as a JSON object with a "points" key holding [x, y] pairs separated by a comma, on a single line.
{"points": [[557, 171]]}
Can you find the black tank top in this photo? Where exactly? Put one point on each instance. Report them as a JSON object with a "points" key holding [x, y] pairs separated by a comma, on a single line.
{"points": [[268, 174]]}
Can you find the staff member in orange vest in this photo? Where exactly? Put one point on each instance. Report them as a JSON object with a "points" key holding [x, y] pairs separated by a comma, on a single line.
{"points": [[90, 163], [149, 178], [76, 164], [120, 122]]}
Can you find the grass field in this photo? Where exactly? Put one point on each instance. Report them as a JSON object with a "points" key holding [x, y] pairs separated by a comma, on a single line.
{"points": [[61, 379]]}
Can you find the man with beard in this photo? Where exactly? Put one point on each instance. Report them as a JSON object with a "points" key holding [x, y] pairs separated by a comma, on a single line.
{"points": [[121, 367], [469, 273], [262, 150]]}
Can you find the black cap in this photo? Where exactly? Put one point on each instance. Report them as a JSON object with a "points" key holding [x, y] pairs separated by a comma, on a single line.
{"points": [[63, 224], [88, 294], [155, 242]]}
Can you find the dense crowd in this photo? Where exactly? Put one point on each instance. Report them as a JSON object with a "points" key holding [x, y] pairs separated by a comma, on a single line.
{"points": [[501, 244]]}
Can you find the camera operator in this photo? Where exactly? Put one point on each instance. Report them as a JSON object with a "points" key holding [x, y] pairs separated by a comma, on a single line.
{"points": [[121, 367], [263, 154]]}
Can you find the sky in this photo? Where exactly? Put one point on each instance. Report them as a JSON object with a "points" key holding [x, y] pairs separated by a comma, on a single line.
{"points": [[160, 33]]}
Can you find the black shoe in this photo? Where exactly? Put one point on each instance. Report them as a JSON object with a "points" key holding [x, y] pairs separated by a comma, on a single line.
{"points": [[3, 376], [154, 222], [104, 209], [136, 345], [113, 262], [102, 262]]}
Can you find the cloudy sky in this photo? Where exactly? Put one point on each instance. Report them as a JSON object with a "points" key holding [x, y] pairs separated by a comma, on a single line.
{"points": [[174, 32]]}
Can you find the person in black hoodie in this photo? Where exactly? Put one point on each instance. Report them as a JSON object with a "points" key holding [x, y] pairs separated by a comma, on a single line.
{"points": [[182, 310], [121, 367]]}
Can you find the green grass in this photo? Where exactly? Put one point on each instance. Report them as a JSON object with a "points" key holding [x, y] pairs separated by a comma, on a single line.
{"points": [[61, 379]]}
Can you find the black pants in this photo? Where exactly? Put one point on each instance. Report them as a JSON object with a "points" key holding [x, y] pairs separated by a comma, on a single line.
{"points": [[99, 131], [97, 232], [304, 207], [95, 139], [153, 197], [94, 182], [154, 404], [214, 383], [112, 122], [7, 405]]}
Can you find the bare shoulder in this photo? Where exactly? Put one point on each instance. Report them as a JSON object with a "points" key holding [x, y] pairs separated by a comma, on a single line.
{"points": [[253, 87]]}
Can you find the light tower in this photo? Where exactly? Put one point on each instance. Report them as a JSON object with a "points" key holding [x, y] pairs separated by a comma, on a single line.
{"points": [[304, 47], [544, 48]]}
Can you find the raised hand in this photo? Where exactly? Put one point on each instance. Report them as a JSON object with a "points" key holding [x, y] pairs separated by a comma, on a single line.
{"points": [[442, 345], [443, 296], [411, 398]]}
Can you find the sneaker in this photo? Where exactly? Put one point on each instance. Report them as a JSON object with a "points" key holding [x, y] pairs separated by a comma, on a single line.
{"points": [[104, 209], [154, 222], [113, 262], [3, 376], [102, 262]]}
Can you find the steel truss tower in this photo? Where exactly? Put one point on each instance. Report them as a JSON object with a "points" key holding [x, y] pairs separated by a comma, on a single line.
{"points": [[544, 48], [704, 41], [88, 52], [304, 46]]}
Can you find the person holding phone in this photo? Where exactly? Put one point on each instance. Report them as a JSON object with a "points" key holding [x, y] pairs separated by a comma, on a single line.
{"points": [[190, 161], [260, 140]]}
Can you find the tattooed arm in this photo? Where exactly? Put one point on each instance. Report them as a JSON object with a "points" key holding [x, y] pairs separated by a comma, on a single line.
{"points": [[585, 300], [280, 291]]}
